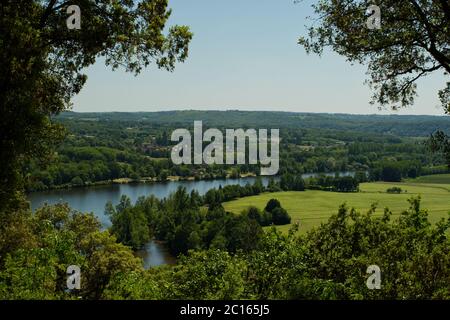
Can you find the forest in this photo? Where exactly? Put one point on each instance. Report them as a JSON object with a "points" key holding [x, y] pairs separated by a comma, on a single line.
{"points": [[223, 254], [103, 148], [378, 191]]}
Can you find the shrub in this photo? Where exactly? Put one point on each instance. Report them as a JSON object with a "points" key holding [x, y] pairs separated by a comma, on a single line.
{"points": [[394, 190]]}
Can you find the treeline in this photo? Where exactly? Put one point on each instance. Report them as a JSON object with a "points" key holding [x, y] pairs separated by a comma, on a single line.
{"points": [[97, 151], [190, 221], [336, 184], [286, 182], [329, 262], [84, 166], [404, 125], [391, 171], [184, 222]]}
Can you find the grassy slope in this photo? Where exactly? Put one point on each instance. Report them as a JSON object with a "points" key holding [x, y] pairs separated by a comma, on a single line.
{"points": [[435, 179], [313, 207]]}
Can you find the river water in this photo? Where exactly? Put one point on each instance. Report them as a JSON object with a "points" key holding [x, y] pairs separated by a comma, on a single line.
{"points": [[93, 199]]}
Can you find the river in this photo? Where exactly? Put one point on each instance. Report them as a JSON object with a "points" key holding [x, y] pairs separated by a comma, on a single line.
{"points": [[93, 199]]}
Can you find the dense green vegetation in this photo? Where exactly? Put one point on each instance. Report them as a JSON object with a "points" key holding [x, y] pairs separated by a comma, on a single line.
{"points": [[101, 148], [183, 223], [223, 254], [393, 125], [394, 190], [436, 178], [225, 241], [398, 56], [312, 207], [328, 262], [190, 221], [36, 249], [43, 64]]}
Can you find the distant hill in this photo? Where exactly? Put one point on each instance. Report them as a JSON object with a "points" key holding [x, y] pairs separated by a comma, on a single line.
{"points": [[402, 125]]}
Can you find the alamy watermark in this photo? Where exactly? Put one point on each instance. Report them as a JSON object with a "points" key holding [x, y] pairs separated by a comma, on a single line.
{"points": [[374, 20], [213, 153], [374, 280], [73, 22], [74, 278]]}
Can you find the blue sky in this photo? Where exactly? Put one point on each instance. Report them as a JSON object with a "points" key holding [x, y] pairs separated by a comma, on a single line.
{"points": [[244, 55]]}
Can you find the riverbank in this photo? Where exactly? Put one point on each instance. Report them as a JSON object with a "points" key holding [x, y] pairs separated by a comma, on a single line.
{"points": [[93, 199], [139, 181]]}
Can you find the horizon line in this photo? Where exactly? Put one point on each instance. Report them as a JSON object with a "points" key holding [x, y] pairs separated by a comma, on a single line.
{"points": [[268, 111]]}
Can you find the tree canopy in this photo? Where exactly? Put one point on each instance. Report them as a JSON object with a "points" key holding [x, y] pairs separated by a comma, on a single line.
{"points": [[43, 62], [413, 42]]}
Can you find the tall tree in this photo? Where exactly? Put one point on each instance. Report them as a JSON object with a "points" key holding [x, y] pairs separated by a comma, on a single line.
{"points": [[413, 42], [43, 61], [439, 142]]}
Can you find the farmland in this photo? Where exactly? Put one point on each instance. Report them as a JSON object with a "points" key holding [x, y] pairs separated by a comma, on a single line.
{"points": [[312, 207]]}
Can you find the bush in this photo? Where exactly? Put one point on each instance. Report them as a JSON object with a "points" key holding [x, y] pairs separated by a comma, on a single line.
{"points": [[275, 214], [255, 214], [280, 217], [272, 204], [394, 190], [77, 181]]}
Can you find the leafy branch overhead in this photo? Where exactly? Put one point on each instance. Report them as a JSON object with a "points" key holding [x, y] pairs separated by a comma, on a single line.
{"points": [[43, 62], [412, 43], [128, 34]]}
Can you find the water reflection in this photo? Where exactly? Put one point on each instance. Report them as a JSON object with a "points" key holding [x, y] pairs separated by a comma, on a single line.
{"points": [[93, 199], [155, 254]]}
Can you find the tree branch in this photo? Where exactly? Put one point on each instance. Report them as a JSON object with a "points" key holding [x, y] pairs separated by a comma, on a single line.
{"points": [[47, 13], [439, 56], [446, 7]]}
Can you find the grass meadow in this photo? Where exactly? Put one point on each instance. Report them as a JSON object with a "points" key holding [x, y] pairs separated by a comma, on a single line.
{"points": [[313, 207]]}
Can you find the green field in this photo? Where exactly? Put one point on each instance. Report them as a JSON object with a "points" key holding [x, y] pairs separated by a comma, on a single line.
{"points": [[434, 179], [312, 207]]}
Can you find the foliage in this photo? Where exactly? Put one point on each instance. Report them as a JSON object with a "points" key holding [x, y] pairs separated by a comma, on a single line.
{"points": [[404, 249], [43, 61], [336, 184], [129, 225], [413, 42], [107, 148], [394, 171], [440, 143], [312, 207], [279, 216], [52, 239], [394, 190], [328, 262], [182, 224]]}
